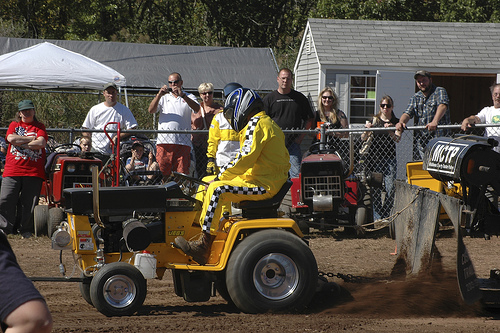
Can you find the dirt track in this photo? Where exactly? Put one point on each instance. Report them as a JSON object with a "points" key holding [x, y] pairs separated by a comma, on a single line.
{"points": [[376, 305]]}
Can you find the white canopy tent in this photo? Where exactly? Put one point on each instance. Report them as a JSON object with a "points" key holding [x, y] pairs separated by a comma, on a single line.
{"points": [[48, 66]]}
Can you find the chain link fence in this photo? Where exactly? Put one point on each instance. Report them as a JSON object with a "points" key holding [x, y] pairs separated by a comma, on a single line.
{"points": [[382, 154], [377, 156]]}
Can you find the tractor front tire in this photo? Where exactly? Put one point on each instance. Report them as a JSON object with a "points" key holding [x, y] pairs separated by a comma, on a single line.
{"points": [[118, 289], [40, 219], [85, 288], [271, 270], [56, 216]]}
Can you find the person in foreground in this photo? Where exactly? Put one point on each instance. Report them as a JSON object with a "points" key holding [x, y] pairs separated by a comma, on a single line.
{"points": [[257, 173], [22, 308]]}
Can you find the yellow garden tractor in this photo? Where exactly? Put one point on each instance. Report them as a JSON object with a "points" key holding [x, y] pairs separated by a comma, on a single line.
{"points": [[122, 236]]}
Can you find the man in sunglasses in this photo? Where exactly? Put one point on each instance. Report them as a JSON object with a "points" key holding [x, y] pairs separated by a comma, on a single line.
{"points": [[430, 108], [175, 107], [290, 109]]}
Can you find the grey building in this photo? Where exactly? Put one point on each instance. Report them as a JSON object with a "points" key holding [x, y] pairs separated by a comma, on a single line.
{"points": [[364, 60]]}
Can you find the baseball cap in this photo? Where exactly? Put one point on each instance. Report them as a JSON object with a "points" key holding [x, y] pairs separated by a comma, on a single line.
{"points": [[110, 84], [25, 105], [423, 73], [137, 144]]}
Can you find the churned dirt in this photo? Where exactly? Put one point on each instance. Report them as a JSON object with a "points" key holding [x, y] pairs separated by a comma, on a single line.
{"points": [[377, 303]]}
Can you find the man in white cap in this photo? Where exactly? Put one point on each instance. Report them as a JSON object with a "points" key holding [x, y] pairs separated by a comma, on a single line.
{"points": [[108, 111]]}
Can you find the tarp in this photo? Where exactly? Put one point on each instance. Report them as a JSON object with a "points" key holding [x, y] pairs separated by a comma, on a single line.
{"points": [[48, 66], [147, 66]]}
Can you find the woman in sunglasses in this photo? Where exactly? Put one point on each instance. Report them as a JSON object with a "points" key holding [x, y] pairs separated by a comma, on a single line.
{"points": [[381, 155], [201, 121], [328, 113]]}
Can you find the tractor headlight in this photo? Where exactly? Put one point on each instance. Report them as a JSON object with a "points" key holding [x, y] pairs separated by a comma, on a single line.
{"points": [[71, 168], [61, 239]]}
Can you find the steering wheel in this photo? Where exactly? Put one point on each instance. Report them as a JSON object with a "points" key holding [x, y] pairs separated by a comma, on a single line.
{"points": [[315, 148], [188, 184], [63, 148]]}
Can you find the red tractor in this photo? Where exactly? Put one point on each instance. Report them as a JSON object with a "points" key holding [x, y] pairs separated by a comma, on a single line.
{"points": [[67, 167], [327, 194]]}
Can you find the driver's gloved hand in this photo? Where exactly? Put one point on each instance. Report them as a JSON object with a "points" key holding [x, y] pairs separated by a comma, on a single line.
{"points": [[212, 168]]}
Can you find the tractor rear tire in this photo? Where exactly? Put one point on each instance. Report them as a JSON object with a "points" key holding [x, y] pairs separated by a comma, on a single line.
{"points": [[85, 288], [392, 230], [364, 211], [286, 204], [221, 287], [56, 216], [118, 289], [303, 226], [361, 216], [40, 219], [271, 270]]}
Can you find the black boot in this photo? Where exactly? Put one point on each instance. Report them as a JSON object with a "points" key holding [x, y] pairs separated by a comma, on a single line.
{"points": [[198, 249]]}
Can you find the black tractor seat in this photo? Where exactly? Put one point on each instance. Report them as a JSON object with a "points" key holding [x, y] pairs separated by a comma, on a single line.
{"points": [[264, 208]]}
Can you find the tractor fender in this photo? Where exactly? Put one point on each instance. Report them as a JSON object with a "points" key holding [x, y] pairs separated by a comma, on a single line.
{"points": [[223, 247]]}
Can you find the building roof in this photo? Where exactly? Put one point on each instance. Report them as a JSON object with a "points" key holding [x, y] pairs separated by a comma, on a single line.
{"points": [[148, 65], [441, 46]]}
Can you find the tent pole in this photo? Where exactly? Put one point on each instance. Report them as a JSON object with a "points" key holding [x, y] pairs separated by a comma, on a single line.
{"points": [[126, 97]]}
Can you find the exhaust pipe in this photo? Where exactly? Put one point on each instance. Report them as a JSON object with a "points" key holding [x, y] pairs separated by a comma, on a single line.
{"points": [[95, 195]]}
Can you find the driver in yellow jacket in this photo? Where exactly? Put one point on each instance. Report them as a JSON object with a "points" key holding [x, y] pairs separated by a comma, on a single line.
{"points": [[258, 172]]}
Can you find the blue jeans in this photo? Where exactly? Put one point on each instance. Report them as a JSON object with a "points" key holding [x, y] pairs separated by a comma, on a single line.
{"points": [[295, 159], [388, 168]]}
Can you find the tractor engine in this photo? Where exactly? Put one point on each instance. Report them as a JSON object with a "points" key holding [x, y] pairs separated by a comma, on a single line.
{"points": [[326, 196], [321, 181]]}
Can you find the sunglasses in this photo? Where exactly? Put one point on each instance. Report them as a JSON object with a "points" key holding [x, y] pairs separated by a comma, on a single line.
{"points": [[327, 97], [386, 105], [174, 82], [207, 93]]}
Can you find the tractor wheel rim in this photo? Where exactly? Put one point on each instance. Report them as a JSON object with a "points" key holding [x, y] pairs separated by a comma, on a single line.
{"points": [[119, 291], [276, 276]]}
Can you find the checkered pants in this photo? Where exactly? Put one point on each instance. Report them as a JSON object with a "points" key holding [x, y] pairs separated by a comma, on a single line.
{"points": [[221, 193]]}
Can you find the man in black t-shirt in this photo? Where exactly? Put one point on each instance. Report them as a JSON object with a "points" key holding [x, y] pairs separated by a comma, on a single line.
{"points": [[290, 110]]}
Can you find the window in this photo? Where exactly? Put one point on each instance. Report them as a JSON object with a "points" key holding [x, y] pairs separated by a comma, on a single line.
{"points": [[361, 98]]}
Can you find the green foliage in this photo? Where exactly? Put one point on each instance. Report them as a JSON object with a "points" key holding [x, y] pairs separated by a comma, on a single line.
{"points": [[394, 10], [277, 24], [469, 10], [9, 28]]}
